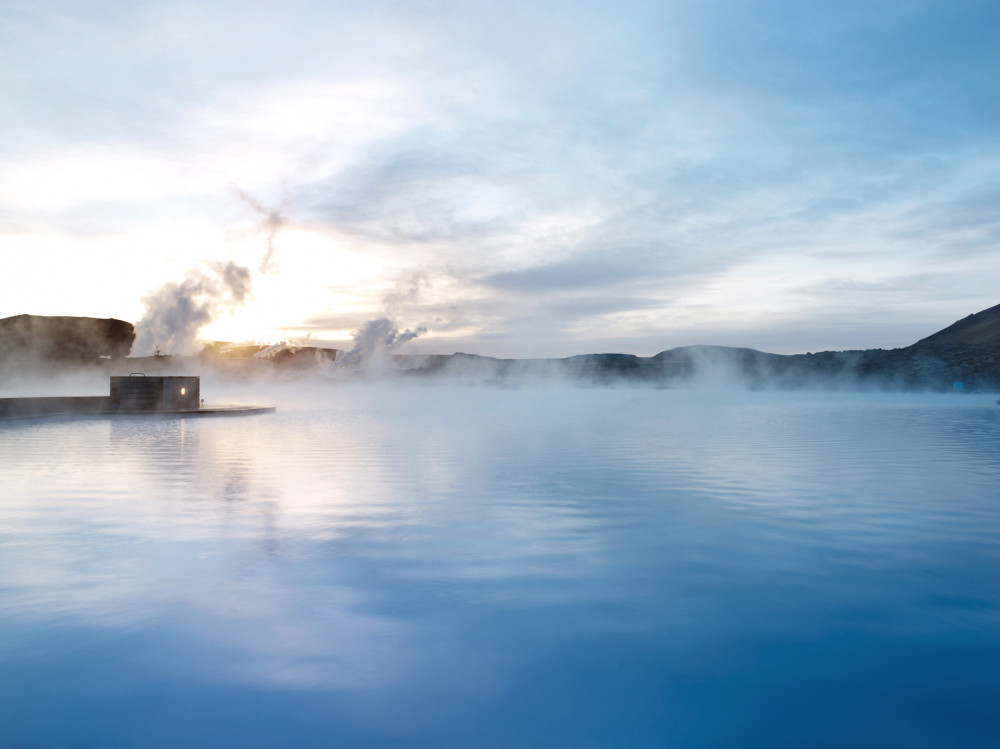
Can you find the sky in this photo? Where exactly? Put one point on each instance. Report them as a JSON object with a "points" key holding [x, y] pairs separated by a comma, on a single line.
{"points": [[519, 179]]}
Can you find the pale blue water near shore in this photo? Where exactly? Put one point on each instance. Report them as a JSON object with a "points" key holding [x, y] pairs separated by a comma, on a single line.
{"points": [[475, 567]]}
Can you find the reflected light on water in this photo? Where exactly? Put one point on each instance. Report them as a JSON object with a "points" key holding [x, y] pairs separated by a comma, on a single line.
{"points": [[477, 567]]}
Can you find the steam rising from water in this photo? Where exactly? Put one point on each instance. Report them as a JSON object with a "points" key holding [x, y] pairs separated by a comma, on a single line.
{"points": [[175, 312], [376, 338], [372, 343], [272, 221]]}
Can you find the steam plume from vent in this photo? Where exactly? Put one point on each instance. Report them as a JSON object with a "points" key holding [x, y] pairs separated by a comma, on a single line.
{"points": [[372, 342], [175, 312], [272, 220], [274, 348], [406, 292], [376, 338]]}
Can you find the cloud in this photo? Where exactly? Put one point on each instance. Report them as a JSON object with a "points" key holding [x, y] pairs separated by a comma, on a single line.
{"points": [[548, 169], [597, 304], [921, 283], [577, 272], [427, 187]]}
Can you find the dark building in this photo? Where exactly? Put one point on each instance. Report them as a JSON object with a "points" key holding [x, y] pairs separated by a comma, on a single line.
{"points": [[141, 393], [135, 394]]}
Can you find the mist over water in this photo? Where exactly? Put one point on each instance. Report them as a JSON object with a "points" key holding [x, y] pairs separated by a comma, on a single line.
{"points": [[425, 565]]}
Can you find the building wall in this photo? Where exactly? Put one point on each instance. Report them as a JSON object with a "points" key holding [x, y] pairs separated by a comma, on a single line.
{"points": [[176, 393], [181, 393], [22, 408]]}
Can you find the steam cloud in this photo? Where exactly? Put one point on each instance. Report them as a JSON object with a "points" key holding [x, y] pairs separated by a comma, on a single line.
{"points": [[376, 338], [272, 221], [372, 342], [405, 292], [175, 312]]}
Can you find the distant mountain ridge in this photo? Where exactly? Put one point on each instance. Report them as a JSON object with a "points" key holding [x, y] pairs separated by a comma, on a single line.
{"points": [[966, 352]]}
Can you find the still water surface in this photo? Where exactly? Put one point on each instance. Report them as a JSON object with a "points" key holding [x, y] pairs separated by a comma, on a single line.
{"points": [[475, 567]]}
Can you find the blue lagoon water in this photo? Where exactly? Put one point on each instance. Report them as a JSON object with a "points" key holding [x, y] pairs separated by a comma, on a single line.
{"points": [[477, 567]]}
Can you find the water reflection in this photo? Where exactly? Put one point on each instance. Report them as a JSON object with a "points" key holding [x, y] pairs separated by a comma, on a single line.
{"points": [[473, 567]]}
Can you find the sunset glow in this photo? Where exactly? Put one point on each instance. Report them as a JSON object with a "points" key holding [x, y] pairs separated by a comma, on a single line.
{"points": [[660, 176]]}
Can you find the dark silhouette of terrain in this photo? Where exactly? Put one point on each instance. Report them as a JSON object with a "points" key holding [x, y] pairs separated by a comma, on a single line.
{"points": [[30, 342], [980, 329], [966, 352]]}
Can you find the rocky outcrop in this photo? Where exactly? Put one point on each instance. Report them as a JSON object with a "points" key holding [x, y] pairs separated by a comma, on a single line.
{"points": [[36, 339]]}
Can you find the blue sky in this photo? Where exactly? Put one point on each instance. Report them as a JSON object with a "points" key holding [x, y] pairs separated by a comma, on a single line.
{"points": [[523, 179]]}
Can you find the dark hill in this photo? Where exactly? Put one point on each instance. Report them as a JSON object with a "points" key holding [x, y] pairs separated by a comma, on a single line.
{"points": [[980, 329], [967, 352], [30, 339]]}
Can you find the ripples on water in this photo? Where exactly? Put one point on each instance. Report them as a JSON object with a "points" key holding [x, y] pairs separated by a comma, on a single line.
{"points": [[473, 567]]}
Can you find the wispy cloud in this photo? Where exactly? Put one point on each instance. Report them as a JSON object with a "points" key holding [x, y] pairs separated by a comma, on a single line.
{"points": [[552, 171]]}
